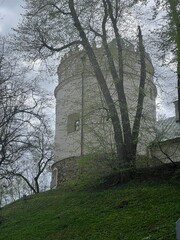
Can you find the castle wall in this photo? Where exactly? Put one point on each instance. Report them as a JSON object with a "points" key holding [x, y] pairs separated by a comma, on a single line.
{"points": [[64, 170]]}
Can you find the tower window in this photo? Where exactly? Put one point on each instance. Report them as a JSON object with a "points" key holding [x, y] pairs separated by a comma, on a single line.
{"points": [[77, 125], [73, 123]]}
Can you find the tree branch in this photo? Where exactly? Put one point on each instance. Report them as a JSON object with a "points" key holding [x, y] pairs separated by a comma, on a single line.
{"points": [[58, 49]]}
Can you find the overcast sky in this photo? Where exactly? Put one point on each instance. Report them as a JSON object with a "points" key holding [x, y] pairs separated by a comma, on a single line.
{"points": [[10, 15], [10, 11]]}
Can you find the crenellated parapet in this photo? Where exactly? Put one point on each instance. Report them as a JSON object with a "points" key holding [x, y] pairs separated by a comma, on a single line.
{"points": [[71, 62]]}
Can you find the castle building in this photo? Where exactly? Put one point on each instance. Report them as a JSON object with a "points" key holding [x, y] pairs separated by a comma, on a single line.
{"points": [[82, 123], [166, 146]]}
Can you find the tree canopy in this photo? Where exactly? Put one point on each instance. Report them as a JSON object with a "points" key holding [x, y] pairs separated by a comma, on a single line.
{"points": [[52, 26]]}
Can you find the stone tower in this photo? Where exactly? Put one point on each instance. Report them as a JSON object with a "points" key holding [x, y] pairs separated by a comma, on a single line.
{"points": [[82, 123]]}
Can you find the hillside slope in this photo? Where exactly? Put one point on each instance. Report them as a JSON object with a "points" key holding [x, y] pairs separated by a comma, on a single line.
{"points": [[129, 212]]}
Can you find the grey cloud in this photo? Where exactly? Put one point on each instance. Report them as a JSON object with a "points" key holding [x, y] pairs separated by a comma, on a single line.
{"points": [[11, 3], [10, 11]]}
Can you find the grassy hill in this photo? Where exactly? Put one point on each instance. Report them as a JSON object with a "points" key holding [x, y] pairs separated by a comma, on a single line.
{"points": [[133, 211]]}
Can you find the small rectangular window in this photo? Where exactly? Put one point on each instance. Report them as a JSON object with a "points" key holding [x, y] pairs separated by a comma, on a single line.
{"points": [[73, 123]]}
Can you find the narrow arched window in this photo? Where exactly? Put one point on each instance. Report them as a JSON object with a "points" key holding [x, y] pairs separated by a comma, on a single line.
{"points": [[77, 125]]}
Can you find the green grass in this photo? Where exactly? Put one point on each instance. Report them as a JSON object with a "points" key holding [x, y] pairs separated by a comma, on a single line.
{"points": [[151, 213]]}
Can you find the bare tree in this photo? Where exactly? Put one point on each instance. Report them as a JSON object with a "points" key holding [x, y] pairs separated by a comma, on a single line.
{"points": [[36, 158], [25, 134], [55, 26], [19, 109]]}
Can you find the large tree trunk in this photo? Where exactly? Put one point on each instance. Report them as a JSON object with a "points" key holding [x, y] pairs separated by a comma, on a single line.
{"points": [[126, 142], [138, 116], [102, 83], [119, 84]]}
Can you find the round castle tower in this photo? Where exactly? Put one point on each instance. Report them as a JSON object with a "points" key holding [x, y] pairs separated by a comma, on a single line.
{"points": [[82, 123]]}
